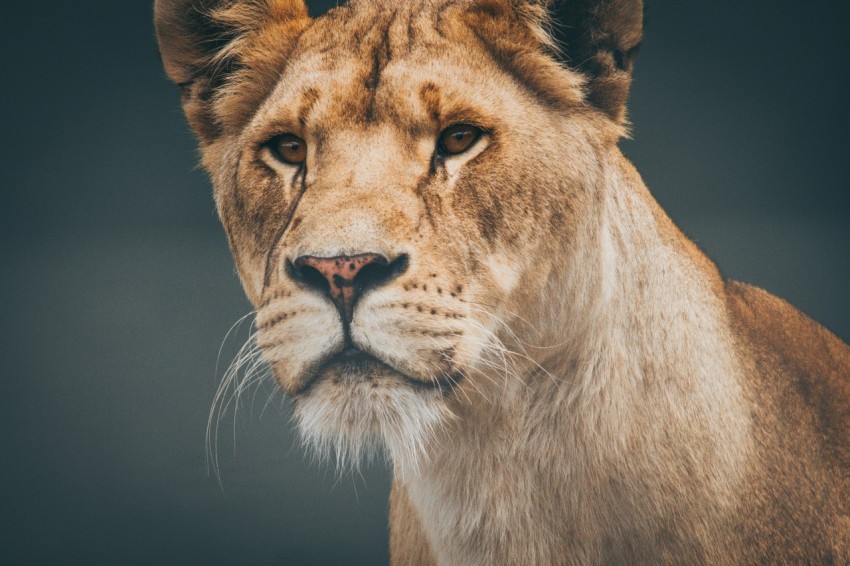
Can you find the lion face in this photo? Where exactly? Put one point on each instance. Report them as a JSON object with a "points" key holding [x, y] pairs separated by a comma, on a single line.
{"points": [[401, 200]]}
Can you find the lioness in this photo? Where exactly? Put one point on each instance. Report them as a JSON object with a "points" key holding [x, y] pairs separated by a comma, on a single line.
{"points": [[449, 256]]}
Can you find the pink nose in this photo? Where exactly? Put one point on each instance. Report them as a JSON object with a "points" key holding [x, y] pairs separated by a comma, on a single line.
{"points": [[345, 278]]}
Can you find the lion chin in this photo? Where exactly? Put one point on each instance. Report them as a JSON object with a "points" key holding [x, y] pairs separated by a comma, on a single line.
{"points": [[354, 405]]}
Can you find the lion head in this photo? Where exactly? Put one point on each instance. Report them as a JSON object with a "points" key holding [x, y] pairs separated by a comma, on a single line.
{"points": [[410, 191]]}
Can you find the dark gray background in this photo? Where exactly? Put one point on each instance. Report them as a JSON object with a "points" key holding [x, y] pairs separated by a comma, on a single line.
{"points": [[118, 288]]}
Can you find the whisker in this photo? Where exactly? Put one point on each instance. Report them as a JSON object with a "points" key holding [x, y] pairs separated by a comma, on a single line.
{"points": [[522, 355], [479, 307], [245, 370], [498, 346]]}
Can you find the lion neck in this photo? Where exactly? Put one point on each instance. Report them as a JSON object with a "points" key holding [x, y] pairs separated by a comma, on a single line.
{"points": [[636, 385]]}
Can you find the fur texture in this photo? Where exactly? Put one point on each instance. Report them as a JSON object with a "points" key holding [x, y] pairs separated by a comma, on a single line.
{"points": [[558, 374]]}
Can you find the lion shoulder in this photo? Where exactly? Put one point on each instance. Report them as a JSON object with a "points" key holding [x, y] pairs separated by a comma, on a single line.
{"points": [[804, 363]]}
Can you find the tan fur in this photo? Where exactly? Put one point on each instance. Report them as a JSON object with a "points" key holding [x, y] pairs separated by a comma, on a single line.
{"points": [[564, 378]]}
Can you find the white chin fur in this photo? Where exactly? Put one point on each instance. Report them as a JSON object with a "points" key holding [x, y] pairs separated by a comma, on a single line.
{"points": [[349, 421]]}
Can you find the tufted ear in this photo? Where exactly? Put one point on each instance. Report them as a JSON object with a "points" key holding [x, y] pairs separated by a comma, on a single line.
{"points": [[225, 55], [600, 38]]}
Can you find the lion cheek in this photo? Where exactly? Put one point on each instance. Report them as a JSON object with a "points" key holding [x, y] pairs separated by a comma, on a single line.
{"points": [[504, 273]]}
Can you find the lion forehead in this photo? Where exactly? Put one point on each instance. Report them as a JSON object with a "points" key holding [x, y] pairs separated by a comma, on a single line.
{"points": [[400, 65]]}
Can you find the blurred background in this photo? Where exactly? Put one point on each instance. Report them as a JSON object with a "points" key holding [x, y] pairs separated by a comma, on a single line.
{"points": [[117, 287]]}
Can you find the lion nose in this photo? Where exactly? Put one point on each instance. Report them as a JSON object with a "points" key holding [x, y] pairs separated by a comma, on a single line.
{"points": [[344, 279]]}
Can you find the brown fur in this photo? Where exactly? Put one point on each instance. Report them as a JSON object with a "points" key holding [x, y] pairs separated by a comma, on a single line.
{"points": [[408, 545], [800, 382], [559, 375]]}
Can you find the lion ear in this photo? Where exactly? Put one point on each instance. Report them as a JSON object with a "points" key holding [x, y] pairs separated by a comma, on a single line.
{"points": [[225, 55], [600, 38]]}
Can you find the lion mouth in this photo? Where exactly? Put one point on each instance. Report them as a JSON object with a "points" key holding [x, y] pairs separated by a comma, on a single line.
{"points": [[357, 365], [354, 360]]}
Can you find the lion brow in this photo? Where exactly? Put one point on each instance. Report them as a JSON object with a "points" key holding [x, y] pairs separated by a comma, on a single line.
{"points": [[310, 97]]}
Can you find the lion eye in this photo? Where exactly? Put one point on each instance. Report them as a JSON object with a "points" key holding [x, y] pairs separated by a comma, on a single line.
{"points": [[289, 148], [457, 139]]}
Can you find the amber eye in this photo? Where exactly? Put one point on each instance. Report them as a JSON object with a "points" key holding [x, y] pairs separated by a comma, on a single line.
{"points": [[289, 149], [457, 139]]}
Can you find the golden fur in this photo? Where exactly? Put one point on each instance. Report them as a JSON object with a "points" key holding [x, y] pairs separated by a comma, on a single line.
{"points": [[558, 374]]}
